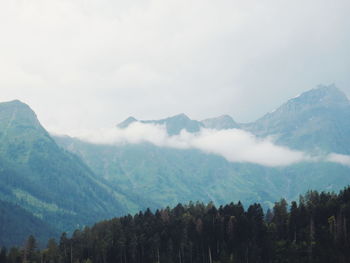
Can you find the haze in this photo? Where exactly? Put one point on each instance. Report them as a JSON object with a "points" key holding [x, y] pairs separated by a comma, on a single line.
{"points": [[88, 64]]}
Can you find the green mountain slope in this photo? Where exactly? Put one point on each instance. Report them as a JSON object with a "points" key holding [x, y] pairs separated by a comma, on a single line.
{"points": [[315, 121], [163, 176], [159, 177], [16, 224], [51, 183]]}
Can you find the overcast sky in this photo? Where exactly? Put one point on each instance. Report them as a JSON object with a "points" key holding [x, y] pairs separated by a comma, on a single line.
{"points": [[92, 63]]}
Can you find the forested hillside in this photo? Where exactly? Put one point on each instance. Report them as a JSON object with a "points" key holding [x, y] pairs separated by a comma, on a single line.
{"points": [[316, 122], [315, 229], [51, 184], [16, 224]]}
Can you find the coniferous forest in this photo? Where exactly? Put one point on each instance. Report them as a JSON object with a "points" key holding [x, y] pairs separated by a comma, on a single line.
{"points": [[313, 230]]}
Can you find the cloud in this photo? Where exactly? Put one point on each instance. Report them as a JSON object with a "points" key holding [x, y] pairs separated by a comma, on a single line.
{"points": [[240, 146], [234, 145], [339, 158], [113, 58]]}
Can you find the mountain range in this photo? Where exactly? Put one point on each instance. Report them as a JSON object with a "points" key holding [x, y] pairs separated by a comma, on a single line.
{"points": [[175, 124], [63, 183], [316, 121]]}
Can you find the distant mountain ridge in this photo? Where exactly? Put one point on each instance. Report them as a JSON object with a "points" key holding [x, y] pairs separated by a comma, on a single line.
{"points": [[165, 176], [220, 123], [173, 124], [318, 119], [179, 122]]}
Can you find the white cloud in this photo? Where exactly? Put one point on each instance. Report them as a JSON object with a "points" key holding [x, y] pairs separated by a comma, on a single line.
{"points": [[240, 146], [339, 158], [156, 58], [234, 145]]}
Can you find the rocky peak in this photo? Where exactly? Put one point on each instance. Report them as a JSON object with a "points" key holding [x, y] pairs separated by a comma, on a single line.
{"points": [[220, 123], [126, 122], [15, 112]]}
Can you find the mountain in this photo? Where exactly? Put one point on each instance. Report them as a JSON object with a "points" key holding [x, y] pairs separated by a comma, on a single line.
{"points": [[51, 183], [126, 122], [160, 176], [179, 122], [317, 120], [67, 183], [220, 123], [173, 124]]}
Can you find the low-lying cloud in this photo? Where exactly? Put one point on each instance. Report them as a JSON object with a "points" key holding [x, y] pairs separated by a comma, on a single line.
{"points": [[233, 144], [339, 158]]}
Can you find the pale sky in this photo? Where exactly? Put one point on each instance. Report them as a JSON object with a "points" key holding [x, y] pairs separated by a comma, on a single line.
{"points": [[92, 63]]}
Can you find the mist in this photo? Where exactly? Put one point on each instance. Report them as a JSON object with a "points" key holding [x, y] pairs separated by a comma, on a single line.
{"points": [[144, 57], [339, 158], [234, 145]]}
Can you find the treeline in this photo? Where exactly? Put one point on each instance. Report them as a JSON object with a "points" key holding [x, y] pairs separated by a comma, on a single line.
{"points": [[316, 229]]}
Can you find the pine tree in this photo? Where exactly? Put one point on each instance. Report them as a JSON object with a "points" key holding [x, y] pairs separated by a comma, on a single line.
{"points": [[30, 253], [3, 255]]}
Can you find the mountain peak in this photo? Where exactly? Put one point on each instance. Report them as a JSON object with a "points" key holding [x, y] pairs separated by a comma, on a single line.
{"points": [[176, 123], [309, 121], [181, 116], [17, 111], [181, 121], [323, 95], [126, 122], [20, 129], [332, 88], [16, 101], [221, 122], [14, 104]]}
